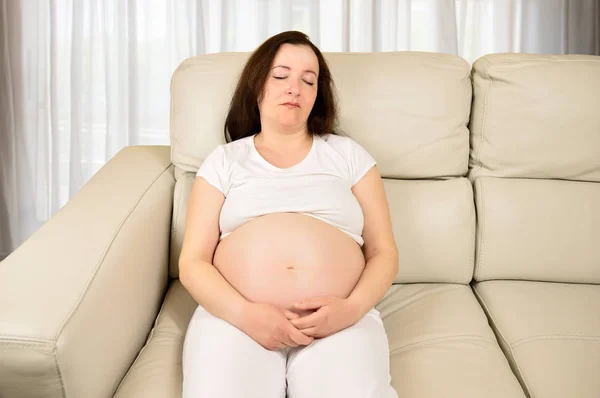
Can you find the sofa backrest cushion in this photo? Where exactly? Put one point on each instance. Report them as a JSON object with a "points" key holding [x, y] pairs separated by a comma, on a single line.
{"points": [[409, 110], [535, 164]]}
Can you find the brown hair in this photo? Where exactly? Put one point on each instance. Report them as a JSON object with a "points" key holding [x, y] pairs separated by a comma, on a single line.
{"points": [[243, 118]]}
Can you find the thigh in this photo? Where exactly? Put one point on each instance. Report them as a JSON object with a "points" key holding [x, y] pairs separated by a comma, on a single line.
{"points": [[219, 360], [353, 363]]}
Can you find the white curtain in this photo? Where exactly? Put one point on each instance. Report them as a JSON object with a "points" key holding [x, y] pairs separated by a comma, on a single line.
{"points": [[81, 79]]}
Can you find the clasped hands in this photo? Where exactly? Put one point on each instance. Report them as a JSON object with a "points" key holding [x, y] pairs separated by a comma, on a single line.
{"points": [[324, 316]]}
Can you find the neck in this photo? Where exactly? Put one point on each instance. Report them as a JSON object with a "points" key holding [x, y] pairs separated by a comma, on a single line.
{"points": [[284, 139]]}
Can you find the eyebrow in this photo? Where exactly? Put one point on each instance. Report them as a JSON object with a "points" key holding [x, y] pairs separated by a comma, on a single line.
{"points": [[288, 68]]}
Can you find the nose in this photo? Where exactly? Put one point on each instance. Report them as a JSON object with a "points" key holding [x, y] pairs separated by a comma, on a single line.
{"points": [[293, 89]]}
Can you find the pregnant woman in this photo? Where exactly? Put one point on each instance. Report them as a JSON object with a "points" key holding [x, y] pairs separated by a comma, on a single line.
{"points": [[288, 244]]}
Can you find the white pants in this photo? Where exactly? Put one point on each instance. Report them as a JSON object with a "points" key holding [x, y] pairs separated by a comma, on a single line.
{"points": [[221, 361]]}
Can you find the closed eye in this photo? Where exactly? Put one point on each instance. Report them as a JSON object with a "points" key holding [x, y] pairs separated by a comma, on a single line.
{"points": [[285, 77]]}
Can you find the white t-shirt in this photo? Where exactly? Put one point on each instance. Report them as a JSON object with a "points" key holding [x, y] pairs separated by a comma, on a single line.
{"points": [[319, 186]]}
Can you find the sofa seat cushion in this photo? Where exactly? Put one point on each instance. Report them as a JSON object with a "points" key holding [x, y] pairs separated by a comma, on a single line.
{"points": [[156, 373], [550, 332], [441, 344], [436, 332]]}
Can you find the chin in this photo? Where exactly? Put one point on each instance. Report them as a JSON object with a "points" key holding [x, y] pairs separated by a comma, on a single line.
{"points": [[291, 122]]}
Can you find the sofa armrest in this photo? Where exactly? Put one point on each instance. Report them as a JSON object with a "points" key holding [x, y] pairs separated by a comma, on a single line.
{"points": [[78, 298]]}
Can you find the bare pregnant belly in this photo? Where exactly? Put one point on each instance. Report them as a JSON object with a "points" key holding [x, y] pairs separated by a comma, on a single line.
{"points": [[282, 258]]}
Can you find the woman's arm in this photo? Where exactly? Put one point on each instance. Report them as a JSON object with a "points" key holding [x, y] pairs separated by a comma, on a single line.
{"points": [[266, 324], [332, 313], [196, 272], [381, 253]]}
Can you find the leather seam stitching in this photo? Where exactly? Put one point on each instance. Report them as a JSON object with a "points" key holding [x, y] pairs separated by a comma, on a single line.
{"points": [[149, 340], [59, 373], [180, 192], [166, 332], [17, 340], [107, 249], [483, 120], [441, 339], [533, 339], [479, 269], [99, 265], [472, 231], [511, 353], [171, 113], [31, 344], [447, 287], [469, 91], [518, 62]]}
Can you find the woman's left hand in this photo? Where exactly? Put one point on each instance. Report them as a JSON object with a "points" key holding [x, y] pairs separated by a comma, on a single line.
{"points": [[332, 315]]}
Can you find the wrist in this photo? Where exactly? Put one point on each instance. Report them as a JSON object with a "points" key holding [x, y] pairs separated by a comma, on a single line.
{"points": [[356, 308], [240, 313]]}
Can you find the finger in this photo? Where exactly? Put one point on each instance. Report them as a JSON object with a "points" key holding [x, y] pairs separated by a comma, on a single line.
{"points": [[289, 342], [275, 346], [290, 314], [283, 340], [307, 321], [299, 337], [310, 304], [310, 331]]}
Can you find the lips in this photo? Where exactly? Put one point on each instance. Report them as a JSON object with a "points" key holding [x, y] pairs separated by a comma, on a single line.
{"points": [[291, 104]]}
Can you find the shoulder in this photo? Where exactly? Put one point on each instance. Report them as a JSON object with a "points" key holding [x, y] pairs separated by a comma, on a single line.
{"points": [[343, 144], [358, 159], [334, 139], [236, 147], [340, 143], [231, 150], [241, 142]]}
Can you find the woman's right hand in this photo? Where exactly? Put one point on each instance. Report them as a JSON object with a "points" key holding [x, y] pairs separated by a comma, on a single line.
{"points": [[270, 326]]}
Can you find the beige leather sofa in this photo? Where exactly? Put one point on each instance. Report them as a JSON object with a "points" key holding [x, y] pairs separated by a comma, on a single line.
{"points": [[493, 178]]}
